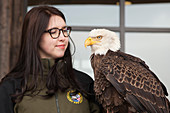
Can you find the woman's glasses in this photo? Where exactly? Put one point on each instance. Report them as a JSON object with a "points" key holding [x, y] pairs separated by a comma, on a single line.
{"points": [[55, 32]]}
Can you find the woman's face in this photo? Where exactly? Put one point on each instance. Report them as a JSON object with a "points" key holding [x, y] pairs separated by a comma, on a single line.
{"points": [[53, 48]]}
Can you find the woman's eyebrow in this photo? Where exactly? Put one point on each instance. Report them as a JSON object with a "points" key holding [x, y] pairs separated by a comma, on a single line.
{"points": [[58, 28]]}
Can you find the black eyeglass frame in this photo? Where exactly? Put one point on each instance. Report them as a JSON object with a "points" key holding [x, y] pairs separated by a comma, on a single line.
{"points": [[68, 28]]}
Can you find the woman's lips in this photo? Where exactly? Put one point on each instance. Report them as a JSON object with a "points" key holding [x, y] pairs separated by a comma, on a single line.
{"points": [[62, 46]]}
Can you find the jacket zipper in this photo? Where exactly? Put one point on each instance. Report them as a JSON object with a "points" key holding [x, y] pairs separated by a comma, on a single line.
{"points": [[56, 97], [58, 109]]}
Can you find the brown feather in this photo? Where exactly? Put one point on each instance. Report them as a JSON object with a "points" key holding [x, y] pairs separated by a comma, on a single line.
{"points": [[123, 81]]}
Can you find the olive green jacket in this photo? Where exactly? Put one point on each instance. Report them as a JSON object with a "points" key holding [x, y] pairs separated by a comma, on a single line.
{"points": [[62, 102]]}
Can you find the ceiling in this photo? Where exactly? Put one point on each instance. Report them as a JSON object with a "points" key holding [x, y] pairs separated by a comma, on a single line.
{"points": [[56, 2]]}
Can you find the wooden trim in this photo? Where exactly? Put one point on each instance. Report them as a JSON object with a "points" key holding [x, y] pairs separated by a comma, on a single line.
{"points": [[4, 37], [12, 16], [108, 2], [127, 29], [155, 30], [89, 28]]}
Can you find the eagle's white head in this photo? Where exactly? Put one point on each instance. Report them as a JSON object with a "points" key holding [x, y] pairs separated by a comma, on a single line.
{"points": [[101, 40]]}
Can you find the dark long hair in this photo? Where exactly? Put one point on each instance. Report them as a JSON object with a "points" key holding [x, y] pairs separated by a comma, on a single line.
{"points": [[29, 64]]}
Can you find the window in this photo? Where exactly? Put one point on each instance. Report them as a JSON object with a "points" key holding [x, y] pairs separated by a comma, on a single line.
{"points": [[154, 49], [148, 15], [91, 15]]}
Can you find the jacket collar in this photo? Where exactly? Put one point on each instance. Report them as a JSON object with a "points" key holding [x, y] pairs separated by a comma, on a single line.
{"points": [[47, 65]]}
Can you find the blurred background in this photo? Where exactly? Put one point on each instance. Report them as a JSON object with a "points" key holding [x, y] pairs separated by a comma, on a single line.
{"points": [[142, 26]]}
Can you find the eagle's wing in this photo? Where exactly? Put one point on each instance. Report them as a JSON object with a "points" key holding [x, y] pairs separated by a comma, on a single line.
{"points": [[135, 83]]}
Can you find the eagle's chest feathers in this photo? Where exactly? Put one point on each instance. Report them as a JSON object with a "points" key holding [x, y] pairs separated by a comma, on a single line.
{"points": [[105, 92], [99, 77]]}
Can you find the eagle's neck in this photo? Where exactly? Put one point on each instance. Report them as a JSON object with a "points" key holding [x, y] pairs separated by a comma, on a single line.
{"points": [[104, 52], [101, 51], [95, 60]]}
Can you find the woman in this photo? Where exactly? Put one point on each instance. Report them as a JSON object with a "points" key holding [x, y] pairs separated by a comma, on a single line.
{"points": [[43, 80]]}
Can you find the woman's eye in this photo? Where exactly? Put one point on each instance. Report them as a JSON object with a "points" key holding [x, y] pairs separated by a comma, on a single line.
{"points": [[53, 31]]}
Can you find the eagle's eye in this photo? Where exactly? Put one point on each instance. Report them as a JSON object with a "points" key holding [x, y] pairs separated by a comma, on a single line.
{"points": [[99, 37]]}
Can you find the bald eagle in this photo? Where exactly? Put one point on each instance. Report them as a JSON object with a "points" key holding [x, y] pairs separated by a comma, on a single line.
{"points": [[123, 83]]}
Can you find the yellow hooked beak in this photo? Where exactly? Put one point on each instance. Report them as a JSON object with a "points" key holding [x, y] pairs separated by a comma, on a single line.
{"points": [[89, 41]]}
